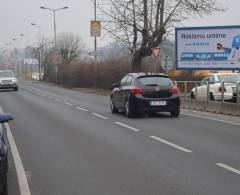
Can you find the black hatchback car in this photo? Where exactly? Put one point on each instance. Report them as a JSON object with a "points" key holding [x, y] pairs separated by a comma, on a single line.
{"points": [[147, 92]]}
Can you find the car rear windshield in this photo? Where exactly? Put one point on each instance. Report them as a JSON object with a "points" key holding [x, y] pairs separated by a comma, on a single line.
{"points": [[6, 74], [229, 78], [154, 81]]}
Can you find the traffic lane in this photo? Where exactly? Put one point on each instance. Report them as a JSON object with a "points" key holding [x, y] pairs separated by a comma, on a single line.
{"points": [[110, 156], [13, 187], [205, 136]]}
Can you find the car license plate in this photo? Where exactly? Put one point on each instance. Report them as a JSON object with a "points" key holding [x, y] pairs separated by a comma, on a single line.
{"points": [[158, 103]]}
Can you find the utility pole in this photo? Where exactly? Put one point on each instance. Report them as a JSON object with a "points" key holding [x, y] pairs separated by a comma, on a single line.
{"points": [[95, 38]]}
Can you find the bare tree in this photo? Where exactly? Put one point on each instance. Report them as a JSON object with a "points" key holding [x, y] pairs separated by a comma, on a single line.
{"points": [[144, 24], [70, 46]]}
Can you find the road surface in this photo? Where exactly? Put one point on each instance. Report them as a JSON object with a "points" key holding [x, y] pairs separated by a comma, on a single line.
{"points": [[69, 143]]}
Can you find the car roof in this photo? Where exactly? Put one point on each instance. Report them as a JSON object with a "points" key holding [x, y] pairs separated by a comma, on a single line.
{"points": [[143, 74]]}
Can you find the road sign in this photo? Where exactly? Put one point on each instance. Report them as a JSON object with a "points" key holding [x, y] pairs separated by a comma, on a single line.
{"points": [[208, 48], [56, 60], [95, 28], [156, 51]]}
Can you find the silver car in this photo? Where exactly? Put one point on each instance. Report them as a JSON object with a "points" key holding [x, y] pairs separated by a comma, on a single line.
{"points": [[8, 80]]}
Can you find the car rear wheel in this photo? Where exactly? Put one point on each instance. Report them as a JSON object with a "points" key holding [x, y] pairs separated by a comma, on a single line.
{"points": [[211, 97], [112, 107], [192, 95], [129, 112], [175, 113]]}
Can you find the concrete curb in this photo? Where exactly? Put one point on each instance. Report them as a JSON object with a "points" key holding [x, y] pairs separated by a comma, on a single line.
{"points": [[214, 107]]}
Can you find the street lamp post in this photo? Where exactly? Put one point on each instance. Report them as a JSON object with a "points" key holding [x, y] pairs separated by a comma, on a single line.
{"points": [[54, 20], [40, 49]]}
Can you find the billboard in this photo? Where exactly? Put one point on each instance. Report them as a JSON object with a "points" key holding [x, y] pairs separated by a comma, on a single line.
{"points": [[208, 48]]}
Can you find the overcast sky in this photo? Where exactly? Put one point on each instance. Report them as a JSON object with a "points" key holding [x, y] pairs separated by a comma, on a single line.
{"points": [[16, 16]]}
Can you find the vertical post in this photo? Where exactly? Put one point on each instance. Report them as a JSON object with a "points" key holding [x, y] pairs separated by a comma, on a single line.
{"points": [[208, 91], [237, 96], [185, 89], [196, 92], [95, 43], [55, 30], [222, 91]]}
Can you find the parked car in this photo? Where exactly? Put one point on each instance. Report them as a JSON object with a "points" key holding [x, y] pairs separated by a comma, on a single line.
{"points": [[3, 155], [215, 87], [147, 92], [8, 80]]}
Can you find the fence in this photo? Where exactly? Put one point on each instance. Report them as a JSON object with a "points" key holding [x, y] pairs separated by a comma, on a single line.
{"points": [[218, 97]]}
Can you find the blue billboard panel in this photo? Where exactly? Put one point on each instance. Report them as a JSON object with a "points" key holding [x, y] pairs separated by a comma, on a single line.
{"points": [[208, 48]]}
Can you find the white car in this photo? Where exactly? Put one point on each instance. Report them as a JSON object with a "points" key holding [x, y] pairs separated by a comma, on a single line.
{"points": [[8, 80], [215, 87]]}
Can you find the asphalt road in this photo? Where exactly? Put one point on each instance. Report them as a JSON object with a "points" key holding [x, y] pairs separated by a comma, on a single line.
{"points": [[70, 143]]}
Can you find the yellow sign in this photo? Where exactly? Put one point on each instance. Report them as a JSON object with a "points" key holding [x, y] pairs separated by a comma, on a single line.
{"points": [[95, 28]]}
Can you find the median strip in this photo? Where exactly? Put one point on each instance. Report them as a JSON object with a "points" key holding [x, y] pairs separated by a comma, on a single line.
{"points": [[228, 168], [171, 144], [127, 126]]}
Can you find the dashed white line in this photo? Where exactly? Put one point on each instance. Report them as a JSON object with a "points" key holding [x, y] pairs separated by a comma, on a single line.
{"points": [[22, 178], [58, 100], [127, 126], [228, 168], [83, 109], [171, 144], [50, 97], [213, 119], [67, 103], [100, 116]]}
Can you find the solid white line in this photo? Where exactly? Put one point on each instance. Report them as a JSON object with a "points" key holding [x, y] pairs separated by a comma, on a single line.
{"points": [[100, 116], [127, 126], [67, 103], [213, 119], [22, 178], [228, 168], [83, 109], [171, 144]]}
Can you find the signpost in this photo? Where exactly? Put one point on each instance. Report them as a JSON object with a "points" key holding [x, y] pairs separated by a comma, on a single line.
{"points": [[156, 51], [208, 48]]}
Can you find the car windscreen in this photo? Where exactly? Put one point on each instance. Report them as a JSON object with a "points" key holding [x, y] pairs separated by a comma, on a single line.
{"points": [[6, 74], [154, 81], [229, 78]]}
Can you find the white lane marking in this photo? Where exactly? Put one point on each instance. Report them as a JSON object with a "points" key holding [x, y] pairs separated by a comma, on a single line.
{"points": [[228, 168], [67, 103], [50, 97], [58, 100], [83, 109], [213, 119], [171, 144], [100, 116], [127, 126], [43, 95], [22, 178]]}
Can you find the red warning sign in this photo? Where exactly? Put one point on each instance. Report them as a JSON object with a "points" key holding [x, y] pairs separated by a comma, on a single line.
{"points": [[156, 51]]}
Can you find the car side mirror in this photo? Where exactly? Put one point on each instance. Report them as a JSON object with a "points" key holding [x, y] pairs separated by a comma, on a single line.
{"points": [[4, 118], [116, 85]]}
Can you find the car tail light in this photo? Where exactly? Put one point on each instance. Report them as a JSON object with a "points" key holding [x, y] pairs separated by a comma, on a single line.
{"points": [[220, 89], [174, 90], [137, 90]]}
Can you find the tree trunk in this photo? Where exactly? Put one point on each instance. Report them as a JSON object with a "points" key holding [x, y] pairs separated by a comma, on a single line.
{"points": [[137, 63]]}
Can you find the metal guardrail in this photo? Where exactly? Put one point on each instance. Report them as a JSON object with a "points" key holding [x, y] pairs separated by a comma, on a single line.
{"points": [[186, 87]]}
